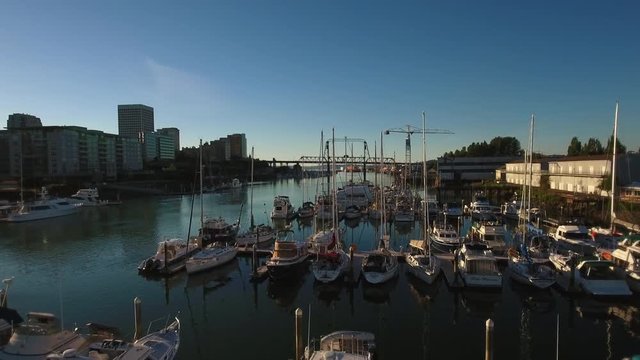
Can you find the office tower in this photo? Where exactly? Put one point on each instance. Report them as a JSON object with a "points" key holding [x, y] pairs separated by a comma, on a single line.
{"points": [[134, 120]]}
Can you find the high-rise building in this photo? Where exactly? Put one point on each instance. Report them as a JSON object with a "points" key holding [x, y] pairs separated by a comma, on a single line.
{"points": [[23, 121], [135, 119], [173, 133], [237, 145], [166, 147]]}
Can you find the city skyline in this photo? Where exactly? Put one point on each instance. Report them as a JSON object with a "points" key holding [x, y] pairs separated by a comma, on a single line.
{"points": [[281, 72]]}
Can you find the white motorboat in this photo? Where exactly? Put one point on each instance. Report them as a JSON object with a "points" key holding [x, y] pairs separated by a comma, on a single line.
{"points": [[170, 257], [282, 208], [571, 235], [288, 254], [258, 235], [306, 211], [212, 256], [421, 263], [445, 237], [343, 345], [330, 266], [627, 257], [39, 336], [599, 277], [218, 229], [525, 271], [379, 266], [492, 233], [159, 345], [478, 266], [44, 208], [88, 197]]}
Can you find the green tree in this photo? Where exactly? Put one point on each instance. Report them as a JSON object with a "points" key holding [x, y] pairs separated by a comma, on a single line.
{"points": [[620, 149], [592, 147], [575, 147]]}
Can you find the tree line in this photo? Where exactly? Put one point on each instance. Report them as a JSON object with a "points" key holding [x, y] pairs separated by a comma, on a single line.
{"points": [[498, 146], [593, 147]]}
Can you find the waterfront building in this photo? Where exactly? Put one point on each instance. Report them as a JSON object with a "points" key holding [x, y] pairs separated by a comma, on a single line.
{"points": [[22, 121], [149, 142], [166, 147], [469, 169], [518, 172], [631, 192], [173, 133], [128, 155], [134, 120], [218, 149], [237, 147]]}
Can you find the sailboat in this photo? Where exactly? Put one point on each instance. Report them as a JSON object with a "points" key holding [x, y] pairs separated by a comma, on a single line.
{"points": [[421, 262], [380, 266], [255, 234], [330, 264], [216, 253], [522, 267]]}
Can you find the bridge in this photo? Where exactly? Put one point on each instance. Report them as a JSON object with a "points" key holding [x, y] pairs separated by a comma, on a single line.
{"points": [[339, 160]]}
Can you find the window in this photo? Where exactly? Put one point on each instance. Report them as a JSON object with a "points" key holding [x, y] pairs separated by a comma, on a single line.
{"points": [[591, 170]]}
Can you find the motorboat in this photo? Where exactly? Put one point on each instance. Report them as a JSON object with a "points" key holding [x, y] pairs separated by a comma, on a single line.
{"points": [[493, 234], [258, 235], [538, 247], [445, 237], [324, 240], [379, 266], [88, 197], [478, 266], [330, 266], [307, 210], [159, 345], [40, 335], [170, 257], [218, 229], [525, 271], [627, 257], [211, 256], [288, 254], [354, 194], [404, 211], [282, 208], [344, 345], [44, 208], [569, 235], [421, 263]]}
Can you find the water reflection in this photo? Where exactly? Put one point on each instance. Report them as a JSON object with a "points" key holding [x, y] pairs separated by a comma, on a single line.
{"points": [[285, 291], [328, 293], [480, 303], [380, 293]]}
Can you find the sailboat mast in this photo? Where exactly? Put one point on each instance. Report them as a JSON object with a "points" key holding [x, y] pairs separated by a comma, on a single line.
{"points": [[613, 167], [201, 200], [251, 206], [530, 167], [425, 205], [384, 209], [334, 199]]}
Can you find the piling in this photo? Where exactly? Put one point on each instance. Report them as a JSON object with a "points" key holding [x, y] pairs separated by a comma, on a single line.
{"points": [[137, 311], [3, 299], [299, 348], [488, 345]]}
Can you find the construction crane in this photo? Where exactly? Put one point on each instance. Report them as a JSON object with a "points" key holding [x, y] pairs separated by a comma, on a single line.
{"points": [[410, 130]]}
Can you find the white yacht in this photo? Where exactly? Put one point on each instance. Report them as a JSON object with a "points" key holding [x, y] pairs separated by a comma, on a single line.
{"points": [[44, 208], [478, 266], [421, 263], [88, 197], [212, 256], [571, 234], [627, 257], [159, 345], [494, 235], [39, 336], [170, 257], [282, 208], [343, 345], [258, 235], [599, 277], [445, 237], [379, 266]]}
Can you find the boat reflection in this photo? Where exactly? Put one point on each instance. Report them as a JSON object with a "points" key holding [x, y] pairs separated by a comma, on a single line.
{"points": [[536, 300], [285, 291], [380, 293], [403, 228], [328, 293], [480, 303], [421, 291], [214, 279]]}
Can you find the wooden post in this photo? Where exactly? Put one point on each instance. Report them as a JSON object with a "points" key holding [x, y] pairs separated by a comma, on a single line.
{"points": [[3, 298], [137, 313], [488, 345], [299, 349]]}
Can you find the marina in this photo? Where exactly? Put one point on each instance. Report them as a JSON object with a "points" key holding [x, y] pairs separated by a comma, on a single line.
{"points": [[90, 260]]}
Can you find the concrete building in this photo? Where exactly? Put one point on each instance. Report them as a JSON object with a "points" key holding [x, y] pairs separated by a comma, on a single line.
{"points": [[173, 133], [219, 149], [517, 173], [128, 155], [135, 119], [149, 142], [22, 121]]}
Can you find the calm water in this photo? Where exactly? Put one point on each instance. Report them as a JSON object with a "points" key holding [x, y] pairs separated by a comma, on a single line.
{"points": [[84, 267]]}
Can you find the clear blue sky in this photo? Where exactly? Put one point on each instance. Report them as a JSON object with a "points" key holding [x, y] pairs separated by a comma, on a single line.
{"points": [[282, 71]]}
